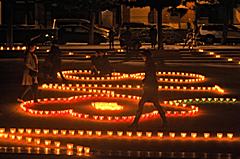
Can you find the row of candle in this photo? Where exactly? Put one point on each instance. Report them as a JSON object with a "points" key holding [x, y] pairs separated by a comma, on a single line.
{"points": [[205, 100], [12, 48], [17, 133], [71, 75], [216, 55], [41, 150], [19, 137], [88, 87], [26, 107]]}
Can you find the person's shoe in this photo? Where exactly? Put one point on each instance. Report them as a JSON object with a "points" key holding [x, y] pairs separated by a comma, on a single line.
{"points": [[20, 100]]}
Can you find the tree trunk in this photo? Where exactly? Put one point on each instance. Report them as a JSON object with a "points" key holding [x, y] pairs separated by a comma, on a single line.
{"points": [[160, 33], [91, 29]]}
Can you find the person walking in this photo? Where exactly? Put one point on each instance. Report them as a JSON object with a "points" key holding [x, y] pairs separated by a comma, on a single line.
{"points": [[55, 59], [150, 90], [153, 36], [125, 39], [30, 73], [111, 38]]}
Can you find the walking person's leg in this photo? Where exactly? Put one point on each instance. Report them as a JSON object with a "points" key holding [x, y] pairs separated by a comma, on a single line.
{"points": [[26, 90], [35, 91], [61, 74], [139, 112], [160, 111]]}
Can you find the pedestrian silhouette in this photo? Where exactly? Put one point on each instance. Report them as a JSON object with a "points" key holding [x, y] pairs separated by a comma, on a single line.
{"points": [[111, 38], [55, 57], [30, 73], [100, 64], [52, 64], [153, 36], [96, 63], [125, 39], [150, 90]]}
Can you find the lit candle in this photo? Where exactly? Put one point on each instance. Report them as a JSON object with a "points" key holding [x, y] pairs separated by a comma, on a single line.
{"points": [[149, 134], [119, 133], [55, 132], [80, 132], [13, 130], [87, 150], [46, 131], [37, 141], [98, 133], [28, 139], [230, 135], [171, 134], [19, 138], [63, 132], [193, 135], [139, 134], [110, 133], [47, 142], [79, 149], [37, 131], [71, 132], [57, 143], [89, 132], [21, 131], [129, 133], [183, 135], [219, 135], [69, 146], [206, 135]]}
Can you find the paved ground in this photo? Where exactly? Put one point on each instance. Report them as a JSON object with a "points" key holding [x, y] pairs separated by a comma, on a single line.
{"points": [[213, 118]]}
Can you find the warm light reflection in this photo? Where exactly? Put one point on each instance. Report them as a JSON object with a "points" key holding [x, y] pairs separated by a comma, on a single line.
{"points": [[107, 106]]}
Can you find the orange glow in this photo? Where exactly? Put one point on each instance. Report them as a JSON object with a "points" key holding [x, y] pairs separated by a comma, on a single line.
{"points": [[107, 106]]}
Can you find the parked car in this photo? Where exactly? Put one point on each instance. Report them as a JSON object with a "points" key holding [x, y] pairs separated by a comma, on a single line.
{"points": [[213, 33], [22, 33], [59, 23], [78, 33]]}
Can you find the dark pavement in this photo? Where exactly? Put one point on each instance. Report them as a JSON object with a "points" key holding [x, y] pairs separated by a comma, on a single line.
{"points": [[213, 118]]}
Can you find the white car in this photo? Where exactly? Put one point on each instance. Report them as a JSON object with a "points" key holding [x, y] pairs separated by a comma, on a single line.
{"points": [[213, 33]]}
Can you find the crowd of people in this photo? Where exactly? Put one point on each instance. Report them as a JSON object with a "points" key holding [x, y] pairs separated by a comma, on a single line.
{"points": [[100, 66]]}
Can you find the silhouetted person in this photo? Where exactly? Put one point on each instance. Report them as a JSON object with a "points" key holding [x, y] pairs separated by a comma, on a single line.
{"points": [[126, 38], [95, 63], [153, 36], [111, 38], [55, 58], [150, 90], [100, 64], [30, 73]]}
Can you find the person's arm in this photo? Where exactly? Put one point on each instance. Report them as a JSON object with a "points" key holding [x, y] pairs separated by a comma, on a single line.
{"points": [[28, 64]]}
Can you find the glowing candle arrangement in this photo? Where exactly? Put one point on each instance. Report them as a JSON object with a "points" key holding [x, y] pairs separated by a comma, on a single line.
{"points": [[216, 55], [188, 77], [30, 138], [186, 110], [13, 48], [104, 92], [95, 88]]}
